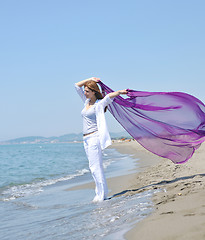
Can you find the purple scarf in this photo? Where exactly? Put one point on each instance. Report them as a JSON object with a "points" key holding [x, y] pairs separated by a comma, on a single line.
{"points": [[169, 124]]}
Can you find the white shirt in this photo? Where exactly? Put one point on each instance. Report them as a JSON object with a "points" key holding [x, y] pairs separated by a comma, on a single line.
{"points": [[100, 105]]}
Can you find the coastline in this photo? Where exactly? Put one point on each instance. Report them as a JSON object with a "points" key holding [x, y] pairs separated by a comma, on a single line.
{"points": [[154, 199], [125, 182], [179, 209]]}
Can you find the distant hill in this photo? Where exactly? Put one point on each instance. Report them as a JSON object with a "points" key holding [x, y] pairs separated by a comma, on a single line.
{"points": [[61, 139], [26, 140]]}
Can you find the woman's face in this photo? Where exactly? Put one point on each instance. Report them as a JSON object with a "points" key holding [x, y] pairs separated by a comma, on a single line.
{"points": [[89, 93]]}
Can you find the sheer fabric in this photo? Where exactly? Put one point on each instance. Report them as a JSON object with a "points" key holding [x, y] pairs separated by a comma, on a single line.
{"points": [[169, 124]]}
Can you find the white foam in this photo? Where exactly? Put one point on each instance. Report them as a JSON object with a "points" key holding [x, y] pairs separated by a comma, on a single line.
{"points": [[107, 163], [36, 187]]}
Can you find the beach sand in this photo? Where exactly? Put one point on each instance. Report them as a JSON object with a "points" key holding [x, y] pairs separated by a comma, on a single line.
{"points": [[179, 205]]}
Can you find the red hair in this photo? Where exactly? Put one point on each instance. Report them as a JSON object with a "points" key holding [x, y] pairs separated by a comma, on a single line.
{"points": [[92, 85]]}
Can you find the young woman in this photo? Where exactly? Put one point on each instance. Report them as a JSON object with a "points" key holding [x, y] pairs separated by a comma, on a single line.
{"points": [[95, 133]]}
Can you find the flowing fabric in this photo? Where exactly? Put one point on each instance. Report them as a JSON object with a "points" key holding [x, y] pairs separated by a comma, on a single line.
{"points": [[169, 124]]}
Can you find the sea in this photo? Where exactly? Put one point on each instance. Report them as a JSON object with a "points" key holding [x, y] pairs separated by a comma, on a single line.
{"points": [[36, 203]]}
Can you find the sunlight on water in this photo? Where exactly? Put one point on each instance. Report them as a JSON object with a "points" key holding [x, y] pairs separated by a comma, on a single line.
{"points": [[35, 203]]}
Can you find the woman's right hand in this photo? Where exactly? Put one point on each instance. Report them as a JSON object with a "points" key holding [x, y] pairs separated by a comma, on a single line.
{"points": [[81, 83], [95, 79]]}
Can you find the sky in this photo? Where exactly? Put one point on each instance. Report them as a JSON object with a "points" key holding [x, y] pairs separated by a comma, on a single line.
{"points": [[48, 45]]}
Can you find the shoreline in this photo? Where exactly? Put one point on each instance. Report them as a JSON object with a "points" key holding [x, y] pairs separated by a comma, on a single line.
{"points": [[132, 148], [179, 210], [123, 183]]}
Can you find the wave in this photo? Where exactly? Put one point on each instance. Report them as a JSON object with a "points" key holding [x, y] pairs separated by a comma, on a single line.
{"points": [[34, 188], [37, 185]]}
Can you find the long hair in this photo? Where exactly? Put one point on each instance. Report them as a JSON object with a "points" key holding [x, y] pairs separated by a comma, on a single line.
{"points": [[92, 85]]}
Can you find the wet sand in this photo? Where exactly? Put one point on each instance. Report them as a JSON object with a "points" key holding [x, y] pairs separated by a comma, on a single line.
{"points": [[179, 205]]}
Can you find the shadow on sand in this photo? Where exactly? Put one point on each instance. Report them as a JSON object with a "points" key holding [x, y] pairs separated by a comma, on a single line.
{"points": [[165, 182]]}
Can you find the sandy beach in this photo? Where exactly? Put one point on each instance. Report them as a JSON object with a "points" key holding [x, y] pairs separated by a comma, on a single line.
{"points": [[179, 206]]}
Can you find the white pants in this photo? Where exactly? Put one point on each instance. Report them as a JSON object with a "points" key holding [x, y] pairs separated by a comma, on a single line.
{"points": [[94, 155]]}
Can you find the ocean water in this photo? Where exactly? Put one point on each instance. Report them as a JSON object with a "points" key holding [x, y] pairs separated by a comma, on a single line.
{"points": [[36, 203]]}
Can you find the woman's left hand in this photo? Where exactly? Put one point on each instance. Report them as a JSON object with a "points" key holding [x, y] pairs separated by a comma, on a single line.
{"points": [[123, 91], [117, 93]]}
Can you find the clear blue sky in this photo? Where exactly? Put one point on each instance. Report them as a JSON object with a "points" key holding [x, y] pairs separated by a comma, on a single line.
{"points": [[46, 46]]}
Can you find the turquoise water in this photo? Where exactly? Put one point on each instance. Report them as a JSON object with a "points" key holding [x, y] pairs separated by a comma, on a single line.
{"points": [[26, 163], [35, 202]]}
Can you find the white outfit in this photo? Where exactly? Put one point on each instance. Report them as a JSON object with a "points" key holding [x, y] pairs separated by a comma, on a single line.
{"points": [[104, 135], [94, 155], [94, 143]]}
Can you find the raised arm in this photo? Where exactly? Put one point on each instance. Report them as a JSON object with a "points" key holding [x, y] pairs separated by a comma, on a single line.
{"points": [[109, 97], [117, 93], [82, 83]]}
